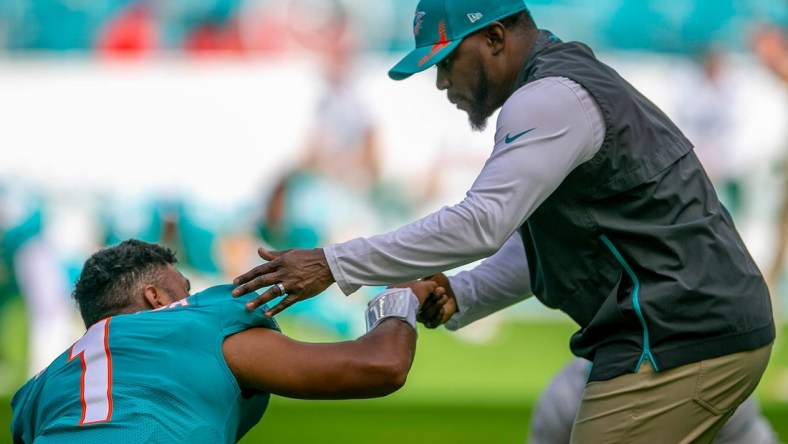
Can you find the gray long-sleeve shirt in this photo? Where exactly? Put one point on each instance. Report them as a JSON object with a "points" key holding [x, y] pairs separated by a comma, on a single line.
{"points": [[524, 168]]}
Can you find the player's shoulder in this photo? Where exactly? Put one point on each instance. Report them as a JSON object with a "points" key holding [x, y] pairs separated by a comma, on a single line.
{"points": [[54, 368], [20, 409], [219, 301], [215, 295], [218, 298], [21, 394], [208, 309], [25, 397]]}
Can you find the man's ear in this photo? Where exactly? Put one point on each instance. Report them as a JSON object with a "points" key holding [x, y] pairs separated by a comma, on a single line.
{"points": [[495, 35], [155, 297]]}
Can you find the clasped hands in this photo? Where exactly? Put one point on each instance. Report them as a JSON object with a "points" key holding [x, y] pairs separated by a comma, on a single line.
{"points": [[438, 303]]}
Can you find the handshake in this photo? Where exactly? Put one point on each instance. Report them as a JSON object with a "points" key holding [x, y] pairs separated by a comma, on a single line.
{"points": [[436, 299]]}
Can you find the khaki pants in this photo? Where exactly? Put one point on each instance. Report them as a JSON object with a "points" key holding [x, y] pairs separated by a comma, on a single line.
{"points": [[687, 404]]}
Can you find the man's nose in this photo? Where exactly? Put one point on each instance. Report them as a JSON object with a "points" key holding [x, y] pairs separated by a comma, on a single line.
{"points": [[442, 80]]}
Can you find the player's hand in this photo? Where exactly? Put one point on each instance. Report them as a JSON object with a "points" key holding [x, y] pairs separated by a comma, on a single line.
{"points": [[301, 273], [436, 305], [431, 298], [436, 311], [424, 290]]}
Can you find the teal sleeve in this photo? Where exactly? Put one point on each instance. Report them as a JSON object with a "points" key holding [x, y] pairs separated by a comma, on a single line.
{"points": [[232, 311], [252, 410], [234, 318], [19, 407]]}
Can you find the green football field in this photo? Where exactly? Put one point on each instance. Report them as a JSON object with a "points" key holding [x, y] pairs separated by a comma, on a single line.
{"points": [[464, 392], [459, 391]]}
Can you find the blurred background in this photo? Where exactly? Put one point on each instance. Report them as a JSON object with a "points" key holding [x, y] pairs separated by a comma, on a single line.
{"points": [[216, 126]]}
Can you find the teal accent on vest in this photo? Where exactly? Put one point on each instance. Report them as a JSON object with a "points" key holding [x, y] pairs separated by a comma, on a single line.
{"points": [[636, 302]]}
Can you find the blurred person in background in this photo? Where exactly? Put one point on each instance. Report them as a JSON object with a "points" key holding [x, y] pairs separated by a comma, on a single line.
{"points": [[215, 29], [770, 44], [340, 147], [593, 200], [706, 113], [33, 269], [142, 27], [557, 405], [143, 325], [337, 190], [177, 222], [305, 210], [132, 30], [342, 143]]}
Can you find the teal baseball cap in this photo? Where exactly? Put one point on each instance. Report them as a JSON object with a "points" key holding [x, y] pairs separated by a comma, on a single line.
{"points": [[440, 25]]}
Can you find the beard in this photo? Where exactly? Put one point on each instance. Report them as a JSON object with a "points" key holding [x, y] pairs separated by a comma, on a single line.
{"points": [[481, 107]]}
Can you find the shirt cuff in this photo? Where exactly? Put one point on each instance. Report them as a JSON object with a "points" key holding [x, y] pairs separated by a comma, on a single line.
{"points": [[336, 271], [455, 322]]}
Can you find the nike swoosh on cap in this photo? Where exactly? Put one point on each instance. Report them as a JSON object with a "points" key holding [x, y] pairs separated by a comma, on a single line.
{"points": [[517, 136]]}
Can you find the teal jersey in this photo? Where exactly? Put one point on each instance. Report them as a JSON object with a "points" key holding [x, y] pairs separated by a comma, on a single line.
{"points": [[151, 377]]}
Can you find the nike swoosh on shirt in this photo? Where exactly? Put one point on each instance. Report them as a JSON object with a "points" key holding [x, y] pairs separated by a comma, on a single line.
{"points": [[517, 136]]}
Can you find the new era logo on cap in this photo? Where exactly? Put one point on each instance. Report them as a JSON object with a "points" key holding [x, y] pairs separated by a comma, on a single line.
{"points": [[475, 17]]}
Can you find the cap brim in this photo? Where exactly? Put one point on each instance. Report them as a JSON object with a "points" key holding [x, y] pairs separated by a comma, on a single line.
{"points": [[422, 58]]}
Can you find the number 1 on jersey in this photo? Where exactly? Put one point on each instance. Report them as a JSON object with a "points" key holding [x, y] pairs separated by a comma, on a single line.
{"points": [[96, 381]]}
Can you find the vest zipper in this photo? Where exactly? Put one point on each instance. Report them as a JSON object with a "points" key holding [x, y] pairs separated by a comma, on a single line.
{"points": [[636, 303]]}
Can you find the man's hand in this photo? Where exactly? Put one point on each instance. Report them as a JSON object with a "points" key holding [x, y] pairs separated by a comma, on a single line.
{"points": [[424, 290], [300, 274], [436, 297], [436, 312]]}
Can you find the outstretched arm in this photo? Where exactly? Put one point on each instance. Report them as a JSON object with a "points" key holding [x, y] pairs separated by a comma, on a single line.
{"points": [[373, 365]]}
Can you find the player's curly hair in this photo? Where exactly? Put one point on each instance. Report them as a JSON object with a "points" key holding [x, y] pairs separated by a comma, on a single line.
{"points": [[113, 276]]}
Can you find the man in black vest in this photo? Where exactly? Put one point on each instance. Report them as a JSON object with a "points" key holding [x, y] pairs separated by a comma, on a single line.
{"points": [[593, 201]]}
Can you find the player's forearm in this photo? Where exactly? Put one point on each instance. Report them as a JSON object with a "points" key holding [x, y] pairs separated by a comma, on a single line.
{"points": [[374, 365], [378, 363], [385, 357]]}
